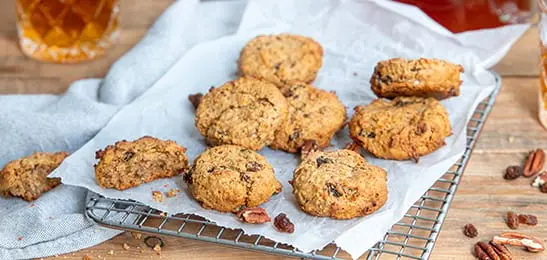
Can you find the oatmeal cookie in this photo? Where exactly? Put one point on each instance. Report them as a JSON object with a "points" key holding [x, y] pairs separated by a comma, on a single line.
{"points": [[127, 164], [402, 128], [281, 58], [228, 178], [27, 177], [314, 114], [420, 78], [244, 112], [339, 184]]}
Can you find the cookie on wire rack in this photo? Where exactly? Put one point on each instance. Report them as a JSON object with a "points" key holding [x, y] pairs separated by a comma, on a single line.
{"points": [[128, 164]]}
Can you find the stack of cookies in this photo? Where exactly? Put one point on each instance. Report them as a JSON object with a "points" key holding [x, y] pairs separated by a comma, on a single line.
{"points": [[272, 104]]}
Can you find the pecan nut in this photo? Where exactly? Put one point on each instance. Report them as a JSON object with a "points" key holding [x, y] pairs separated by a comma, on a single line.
{"points": [[534, 163], [540, 180], [308, 147], [283, 224], [470, 230], [253, 215], [512, 220], [491, 251], [528, 242], [502, 251]]}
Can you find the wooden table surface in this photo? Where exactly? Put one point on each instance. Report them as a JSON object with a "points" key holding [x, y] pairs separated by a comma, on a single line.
{"points": [[483, 196]]}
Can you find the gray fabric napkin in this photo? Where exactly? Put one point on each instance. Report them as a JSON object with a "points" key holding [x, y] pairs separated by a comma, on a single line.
{"points": [[55, 223]]}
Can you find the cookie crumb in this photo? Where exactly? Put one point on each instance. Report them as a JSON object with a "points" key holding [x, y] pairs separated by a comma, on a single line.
{"points": [[111, 252], [172, 193], [511, 139], [125, 246], [136, 235], [157, 249], [87, 257], [157, 195], [20, 238]]}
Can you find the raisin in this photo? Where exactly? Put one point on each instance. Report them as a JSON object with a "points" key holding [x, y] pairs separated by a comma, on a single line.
{"points": [[294, 135], [371, 135], [470, 230], [512, 172], [128, 155], [245, 178], [332, 190], [528, 220], [512, 220], [188, 178], [387, 80], [254, 166], [422, 127], [195, 99], [283, 224], [322, 160]]}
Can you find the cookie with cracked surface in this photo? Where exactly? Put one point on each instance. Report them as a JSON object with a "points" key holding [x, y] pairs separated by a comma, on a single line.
{"points": [[281, 58], [402, 128], [420, 78], [229, 177], [27, 177], [128, 164], [244, 112], [339, 184], [314, 114]]}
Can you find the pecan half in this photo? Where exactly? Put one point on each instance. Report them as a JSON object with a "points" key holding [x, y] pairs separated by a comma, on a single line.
{"points": [[528, 242], [534, 163], [540, 180], [512, 220], [195, 99], [308, 147], [253, 215], [283, 224], [502, 251], [470, 230]]}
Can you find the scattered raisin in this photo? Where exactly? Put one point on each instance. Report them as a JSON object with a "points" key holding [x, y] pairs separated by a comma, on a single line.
{"points": [[512, 220], [332, 190], [470, 230], [195, 99], [283, 224], [322, 160], [528, 220], [513, 172], [254, 166], [128, 155]]}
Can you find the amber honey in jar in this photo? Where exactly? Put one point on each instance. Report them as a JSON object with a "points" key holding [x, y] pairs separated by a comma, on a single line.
{"points": [[542, 93], [66, 31]]}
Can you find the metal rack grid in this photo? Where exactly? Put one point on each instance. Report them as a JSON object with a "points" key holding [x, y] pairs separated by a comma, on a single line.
{"points": [[413, 237]]}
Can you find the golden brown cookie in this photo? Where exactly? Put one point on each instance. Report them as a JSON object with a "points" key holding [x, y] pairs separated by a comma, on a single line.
{"points": [[229, 177], [244, 112], [402, 128], [339, 184], [127, 164], [419, 78], [27, 177], [281, 58], [314, 114]]}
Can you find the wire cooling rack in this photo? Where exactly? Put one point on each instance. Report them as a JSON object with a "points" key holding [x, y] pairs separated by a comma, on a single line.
{"points": [[413, 237]]}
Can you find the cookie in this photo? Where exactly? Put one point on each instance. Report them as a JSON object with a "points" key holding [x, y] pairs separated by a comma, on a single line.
{"points": [[419, 78], [244, 112], [228, 178], [402, 128], [281, 58], [128, 164], [339, 184], [27, 177], [314, 114]]}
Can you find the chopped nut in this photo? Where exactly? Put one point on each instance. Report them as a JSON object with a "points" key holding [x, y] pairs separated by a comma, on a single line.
{"points": [[540, 180], [470, 230], [195, 99], [254, 166], [512, 172], [253, 215], [512, 220], [309, 147], [283, 224], [530, 220], [157, 249], [125, 246], [534, 163], [172, 193], [530, 243], [136, 235], [157, 195]]}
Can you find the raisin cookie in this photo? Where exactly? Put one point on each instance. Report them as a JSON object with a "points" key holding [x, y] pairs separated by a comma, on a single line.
{"points": [[229, 177], [339, 184], [245, 112], [420, 78], [27, 177], [314, 114], [402, 128], [128, 164], [281, 59]]}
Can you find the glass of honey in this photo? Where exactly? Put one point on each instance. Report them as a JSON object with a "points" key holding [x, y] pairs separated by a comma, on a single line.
{"points": [[66, 31], [542, 28]]}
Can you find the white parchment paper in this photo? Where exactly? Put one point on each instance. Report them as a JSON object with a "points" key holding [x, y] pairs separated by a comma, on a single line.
{"points": [[355, 35]]}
